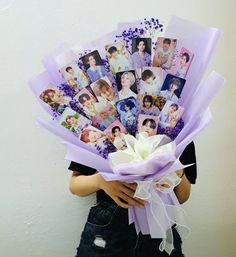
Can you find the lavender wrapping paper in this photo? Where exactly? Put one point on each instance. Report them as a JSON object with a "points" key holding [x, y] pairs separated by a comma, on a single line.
{"points": [[195, 98], [202, 42], [52, 64]]}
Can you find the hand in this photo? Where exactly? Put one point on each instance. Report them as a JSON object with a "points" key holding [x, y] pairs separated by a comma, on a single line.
{"points": [[180, 173], [118, 190]]}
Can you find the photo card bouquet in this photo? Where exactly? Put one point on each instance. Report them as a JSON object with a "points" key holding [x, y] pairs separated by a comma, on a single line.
{"points": [[128, 103]]}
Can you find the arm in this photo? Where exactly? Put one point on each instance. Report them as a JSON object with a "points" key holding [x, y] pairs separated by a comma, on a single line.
{"points": [[182, 190], [82, 185]]}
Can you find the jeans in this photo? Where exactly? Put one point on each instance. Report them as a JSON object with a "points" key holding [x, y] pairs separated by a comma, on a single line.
{"points": [[107, 233]]}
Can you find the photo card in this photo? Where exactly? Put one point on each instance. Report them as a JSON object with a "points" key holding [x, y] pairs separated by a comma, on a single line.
{"points": [[141, 52], [73, 121], [94, 66], [55, 98], [126, 84], [183, 62], [148, 124], [164, 53], [170, 119], [116, 132], [128, 110], [172, 88], [151, 81], [104, 91], [74, 76], [118, 57], [106, 115], [146, 104], [88, 102], [97, 140], [170, 115]]}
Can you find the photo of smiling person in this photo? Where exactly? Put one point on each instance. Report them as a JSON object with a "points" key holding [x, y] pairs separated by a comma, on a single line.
{"points": [[104, 91], [73, 121], [118, 57], [147, 106], [94, 66], [55, 98], [148, 124], [126, 84], [74, 76], [172, 88], [141, 52]]}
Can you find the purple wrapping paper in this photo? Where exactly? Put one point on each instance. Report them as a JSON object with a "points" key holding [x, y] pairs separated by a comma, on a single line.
{"points": [[195, 98]]}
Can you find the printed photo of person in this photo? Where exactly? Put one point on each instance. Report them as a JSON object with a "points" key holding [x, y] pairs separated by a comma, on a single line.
{"points": [[94, 65], [55, 98], [116, 132], [170, 115], [104, 91], [151, 81], [141, 52], [97, 140], [148, 124], [164, 53], [105, 116], [118, 57], [183, 63], [128, 109], [147, 107], [74, 76], [172, 88], [73, 121], [89, 103], [126, 84]]}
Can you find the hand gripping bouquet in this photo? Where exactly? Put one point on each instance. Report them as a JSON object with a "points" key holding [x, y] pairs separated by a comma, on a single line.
{"points": [[83, 115]]}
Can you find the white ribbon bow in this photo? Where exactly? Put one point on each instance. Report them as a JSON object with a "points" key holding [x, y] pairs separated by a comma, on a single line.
{"points": [[162, 213], [164, 184]]}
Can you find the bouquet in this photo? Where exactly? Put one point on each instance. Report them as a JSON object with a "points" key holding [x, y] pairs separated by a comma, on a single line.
{"points": [[128, 103]]}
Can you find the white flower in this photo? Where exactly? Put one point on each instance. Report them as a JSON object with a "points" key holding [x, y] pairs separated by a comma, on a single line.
{"points": [[142, 149]]}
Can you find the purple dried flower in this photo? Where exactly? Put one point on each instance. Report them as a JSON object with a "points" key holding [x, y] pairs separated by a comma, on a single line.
{"points": [[67, 89], [172, 132]]}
